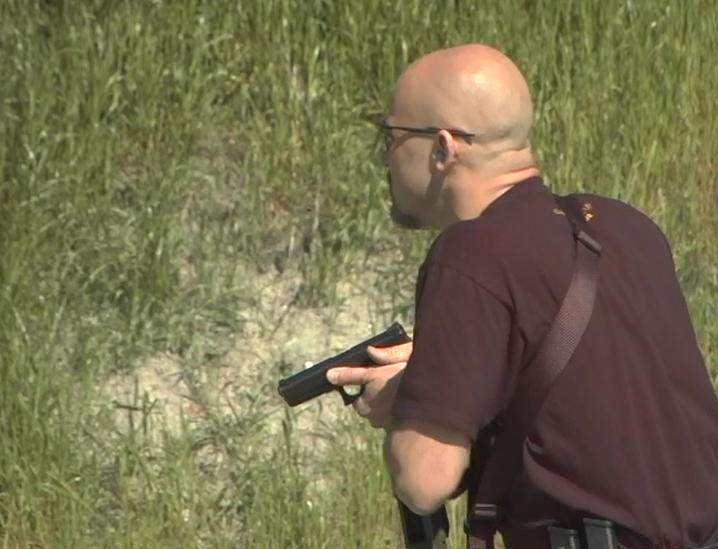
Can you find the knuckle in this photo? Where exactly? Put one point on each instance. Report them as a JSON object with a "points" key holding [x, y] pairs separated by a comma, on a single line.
{"points": [[361, 408]]}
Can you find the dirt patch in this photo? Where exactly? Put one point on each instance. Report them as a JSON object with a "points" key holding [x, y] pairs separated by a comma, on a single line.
{"points": [[278, 338]]}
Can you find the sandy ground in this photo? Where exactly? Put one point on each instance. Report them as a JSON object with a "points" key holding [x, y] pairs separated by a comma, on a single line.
{"points": [[278, 338]]}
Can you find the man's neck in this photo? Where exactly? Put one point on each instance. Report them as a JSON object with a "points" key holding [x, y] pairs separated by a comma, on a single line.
{"points": [[484, 192]]}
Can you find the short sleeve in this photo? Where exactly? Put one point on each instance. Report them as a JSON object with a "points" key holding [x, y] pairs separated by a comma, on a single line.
{"points": [[458, 372]]}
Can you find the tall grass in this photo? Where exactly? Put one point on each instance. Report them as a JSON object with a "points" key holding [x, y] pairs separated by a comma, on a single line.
{"points": [[149, 149]]}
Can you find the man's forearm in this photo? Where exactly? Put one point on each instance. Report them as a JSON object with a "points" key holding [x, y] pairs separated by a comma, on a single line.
{"points": [[424, 472], [405, 488]]}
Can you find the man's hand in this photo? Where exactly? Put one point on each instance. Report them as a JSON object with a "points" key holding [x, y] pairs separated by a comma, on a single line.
{"points": [[381, 382]]}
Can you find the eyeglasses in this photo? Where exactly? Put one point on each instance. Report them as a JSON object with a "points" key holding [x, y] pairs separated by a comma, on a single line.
{"points": [[389, 138]]}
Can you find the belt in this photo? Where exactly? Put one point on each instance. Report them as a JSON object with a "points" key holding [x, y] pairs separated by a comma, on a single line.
{"points": [[600, 534], [711, 546]]}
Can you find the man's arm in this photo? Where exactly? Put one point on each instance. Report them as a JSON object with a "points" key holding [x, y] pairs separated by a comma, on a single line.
{"points": [[458, 374], [426, 462], [456, 380]]}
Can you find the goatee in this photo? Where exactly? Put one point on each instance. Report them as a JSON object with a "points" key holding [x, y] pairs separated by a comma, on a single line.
{"points": [[401, 219], [405, 221]]}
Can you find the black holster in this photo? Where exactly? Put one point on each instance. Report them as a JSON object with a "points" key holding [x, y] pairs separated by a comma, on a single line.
{"points": [[590, 534]]}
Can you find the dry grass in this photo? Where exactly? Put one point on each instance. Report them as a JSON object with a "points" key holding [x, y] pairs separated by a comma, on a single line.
{"points": [[191, 206]]}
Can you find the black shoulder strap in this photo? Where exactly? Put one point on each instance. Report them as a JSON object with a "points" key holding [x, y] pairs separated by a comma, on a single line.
{"points": [[535, 382]]}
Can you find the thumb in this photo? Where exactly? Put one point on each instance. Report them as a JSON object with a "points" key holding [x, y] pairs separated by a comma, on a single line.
{"points": [[349, 376], [391, 355]]}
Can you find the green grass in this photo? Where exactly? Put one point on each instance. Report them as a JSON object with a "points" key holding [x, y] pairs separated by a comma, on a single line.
{"points": [[148, 150]]}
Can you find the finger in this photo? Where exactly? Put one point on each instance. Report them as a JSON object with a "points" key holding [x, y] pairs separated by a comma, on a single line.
{"points": [[348, 376], [391, 355], [361, 407]]}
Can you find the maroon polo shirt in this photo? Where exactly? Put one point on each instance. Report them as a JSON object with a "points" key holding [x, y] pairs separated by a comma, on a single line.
{"points": [[630, 430]]}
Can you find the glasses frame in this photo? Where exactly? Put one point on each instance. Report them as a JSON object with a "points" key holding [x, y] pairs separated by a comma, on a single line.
{"points": [[421, 130]]}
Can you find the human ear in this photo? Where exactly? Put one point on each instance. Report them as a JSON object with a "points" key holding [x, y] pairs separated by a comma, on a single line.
{"points": [[445, 149]]}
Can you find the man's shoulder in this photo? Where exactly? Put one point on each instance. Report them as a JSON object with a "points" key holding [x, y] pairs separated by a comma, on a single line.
{"points": [[613, 216], [461, 244], [501, 236], [525, 226]]}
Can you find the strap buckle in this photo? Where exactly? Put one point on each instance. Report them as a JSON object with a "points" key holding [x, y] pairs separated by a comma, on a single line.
{"points": [[482, 514]]}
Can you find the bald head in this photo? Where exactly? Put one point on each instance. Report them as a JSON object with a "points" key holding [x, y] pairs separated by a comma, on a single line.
{"points": [[437, 178], [471, 87]]}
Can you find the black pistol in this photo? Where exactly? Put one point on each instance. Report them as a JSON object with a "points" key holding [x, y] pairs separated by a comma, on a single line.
{"points": [[312, 382], [420, 532]]}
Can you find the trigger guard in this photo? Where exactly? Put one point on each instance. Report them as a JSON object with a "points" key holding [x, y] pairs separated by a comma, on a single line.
{"points": [[350, 399]]}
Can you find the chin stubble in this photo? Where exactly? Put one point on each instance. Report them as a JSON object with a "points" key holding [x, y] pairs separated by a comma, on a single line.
{"points": [[401, 219], [405, 221]]}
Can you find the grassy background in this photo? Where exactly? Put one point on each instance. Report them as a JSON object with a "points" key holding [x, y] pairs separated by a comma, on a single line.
{"points": [[149, 149]]}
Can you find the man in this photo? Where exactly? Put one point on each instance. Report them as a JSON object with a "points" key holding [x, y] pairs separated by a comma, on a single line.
{"points": [[629, 432]]}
